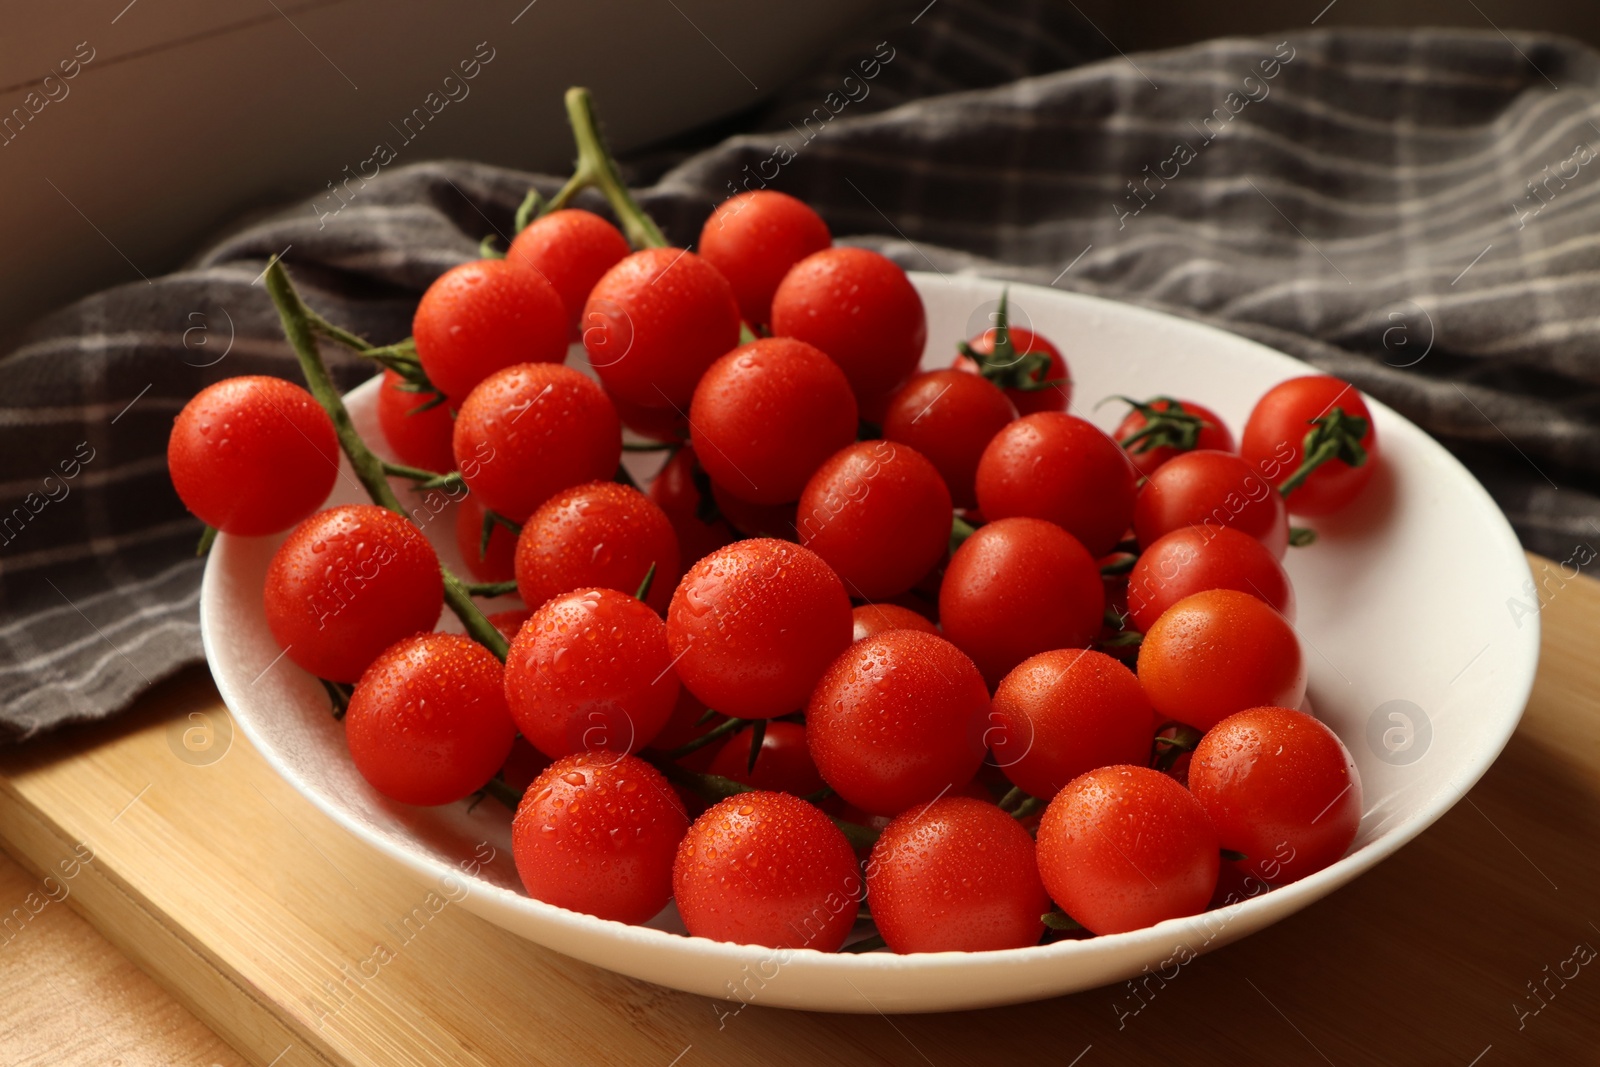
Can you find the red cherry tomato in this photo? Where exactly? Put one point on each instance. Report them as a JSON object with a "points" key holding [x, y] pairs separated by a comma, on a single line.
{"points": [[348, 583], [1018, 587], [755, 520], [1211, 490], [1064, 712], [252, 455], [1218, 652], [590, 671], [956, 876], [1274, 441], [497, 562], [528, 432], [680, 490], [657, 424], [897, 720], [767, 869], [870, 620], [484, 316], [1057, 393], [1122, 848], [1156, 447], [753, 626], [879, 514], [1281, 788], [1059, 468], [784, 765], [509, 622], [597, 832], [655, 322], [950, 418], [572, 249], [767, 414], [419, 435], [862, 310], [600, 534], [525, 762], [1196, 558], [427, 722], [754, 238]]}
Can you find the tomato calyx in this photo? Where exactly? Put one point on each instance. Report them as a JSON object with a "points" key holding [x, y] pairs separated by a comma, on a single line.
{"points": [[1060, 920], [714, 787], [1166, 750], [339, 696], [1335, 435], [1301, 536], [1003, 364], [491, 519], [1168, 426], [1236, 857], [960, 530], [758, 734]]}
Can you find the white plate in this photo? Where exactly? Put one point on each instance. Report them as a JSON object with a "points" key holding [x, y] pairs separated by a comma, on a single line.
{"points": [[1405, 614]]}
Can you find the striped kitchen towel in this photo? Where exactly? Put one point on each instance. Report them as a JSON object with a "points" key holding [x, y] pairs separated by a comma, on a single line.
{"points": [[1418, 213]]}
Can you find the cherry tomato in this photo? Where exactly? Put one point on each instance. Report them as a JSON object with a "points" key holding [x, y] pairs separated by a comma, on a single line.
{"points": [[870, 620], [1018, 587], [950, 418], [956, 876], [590, 671], [346, 584], [597, 832], [1160, 443], [1057, 467], [572, 249], [1064, 712], [599, 534], [879, 514], [753, 626], [784, 765], [1122, 848], [767, 414], [1281, 788], [898, 720], [767, 869], [484, 316], [427, 722], [655, 322], [1057, 393], [497, 562], [754, 238], [1193, 559], [1211, 490], [419, 435], [680, 490], [1218, 652], [656, 424], [525, 762], [252, 455], [528, 432], [1275, 433], [755, 520], [509, 622], [862, 310]]}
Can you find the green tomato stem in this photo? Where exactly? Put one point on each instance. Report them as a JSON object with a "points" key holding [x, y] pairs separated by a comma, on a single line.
{"points": [[598, 169], [296, 320]]}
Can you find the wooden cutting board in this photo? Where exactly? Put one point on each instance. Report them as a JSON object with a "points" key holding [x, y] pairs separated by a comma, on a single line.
{"points": [[265, 919]]}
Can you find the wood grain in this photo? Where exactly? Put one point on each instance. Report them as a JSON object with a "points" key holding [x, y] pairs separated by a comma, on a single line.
{"points": [[257, 913]]}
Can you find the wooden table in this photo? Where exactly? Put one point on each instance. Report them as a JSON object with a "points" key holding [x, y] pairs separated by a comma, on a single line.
{"points": [[224, 900]]}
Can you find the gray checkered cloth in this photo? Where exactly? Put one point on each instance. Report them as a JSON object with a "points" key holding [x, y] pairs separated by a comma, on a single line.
{"points": [[1418, 213]]}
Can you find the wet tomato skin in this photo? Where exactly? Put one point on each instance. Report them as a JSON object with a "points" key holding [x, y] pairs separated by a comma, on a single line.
{"points": [[1062, 713], [1212, 490], [252, 455], [950, 418], [590, 671], [753, 626], [600, 534], [419, 434], [897, 720], [1213, 435], [1057, 393], [784, 765], [596, 832], [1192, 559], [1274, 442], [1122, 848], [870, 620], [879, 514], [484, 316], [497, 562], [427, 722], [754, 238], [572, 249], [957, 875], [1218, 652], [767, 869], [1281, 788], [346, 584]]}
